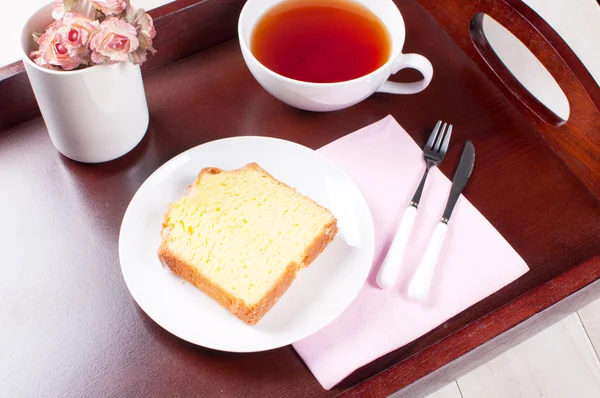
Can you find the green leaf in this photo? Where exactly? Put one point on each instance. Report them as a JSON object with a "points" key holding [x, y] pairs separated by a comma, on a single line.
{"points": [[85, 8], [36, 37], [143, 41], [70, 4], [138, 56]]}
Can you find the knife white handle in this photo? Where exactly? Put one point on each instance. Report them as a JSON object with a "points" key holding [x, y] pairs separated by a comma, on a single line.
{"points": [[390, 267], [419, 286]]}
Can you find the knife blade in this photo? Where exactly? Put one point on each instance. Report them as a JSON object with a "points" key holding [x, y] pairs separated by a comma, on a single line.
{"points": [[461, 176], [419, 285]]}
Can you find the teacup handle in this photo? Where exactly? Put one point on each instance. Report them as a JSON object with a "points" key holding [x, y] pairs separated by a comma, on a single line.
{"points": [[413, 61]]}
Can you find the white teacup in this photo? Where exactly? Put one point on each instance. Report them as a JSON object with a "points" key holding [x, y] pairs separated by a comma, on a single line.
{"points": [[322, 97]]}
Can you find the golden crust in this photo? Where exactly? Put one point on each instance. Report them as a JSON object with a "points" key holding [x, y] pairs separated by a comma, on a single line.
{"points": [[250, 314], [288, 277], [188, 272]]}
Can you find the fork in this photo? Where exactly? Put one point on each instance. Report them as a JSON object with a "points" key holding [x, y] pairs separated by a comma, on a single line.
{"points": [[434, 151]]}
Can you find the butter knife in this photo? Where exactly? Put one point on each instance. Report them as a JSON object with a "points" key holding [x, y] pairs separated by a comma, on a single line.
{"points": [[419, 286]]}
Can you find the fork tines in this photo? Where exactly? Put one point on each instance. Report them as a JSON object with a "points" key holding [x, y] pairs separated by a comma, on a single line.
{"points": [[439, 138]]}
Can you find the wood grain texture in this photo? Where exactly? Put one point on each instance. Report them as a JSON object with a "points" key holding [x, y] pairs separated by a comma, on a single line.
{"points": [[17, 101], [449, 391], [184, 27], [75, 330], [590, 317], [559, 362], [573, 141], [491, 335]]}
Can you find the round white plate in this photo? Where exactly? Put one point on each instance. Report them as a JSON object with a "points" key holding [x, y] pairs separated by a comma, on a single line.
{"points": [[317, 296]]}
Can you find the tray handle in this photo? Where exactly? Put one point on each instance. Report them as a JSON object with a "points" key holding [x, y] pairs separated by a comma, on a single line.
{"points": [[576, 141]]}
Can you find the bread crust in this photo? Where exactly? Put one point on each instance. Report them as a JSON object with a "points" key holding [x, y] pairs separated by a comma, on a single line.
{"points": [[250, 314]]}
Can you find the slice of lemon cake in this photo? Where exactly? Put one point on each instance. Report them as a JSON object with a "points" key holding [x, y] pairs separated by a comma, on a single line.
{"points": [[241, 236]]}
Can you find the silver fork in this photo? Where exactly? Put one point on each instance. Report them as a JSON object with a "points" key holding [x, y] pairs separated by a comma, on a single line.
{"points": [[434, 151]]}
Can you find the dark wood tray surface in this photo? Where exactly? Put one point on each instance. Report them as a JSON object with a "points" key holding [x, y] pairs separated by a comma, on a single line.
{"points": [[69, 324]]}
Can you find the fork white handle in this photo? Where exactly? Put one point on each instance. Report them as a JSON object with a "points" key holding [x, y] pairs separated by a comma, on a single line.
{"points": [[390, 267], [419, 285]]}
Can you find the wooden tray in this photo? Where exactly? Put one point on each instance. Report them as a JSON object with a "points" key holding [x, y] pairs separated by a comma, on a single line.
{"points": [[69, 325]]}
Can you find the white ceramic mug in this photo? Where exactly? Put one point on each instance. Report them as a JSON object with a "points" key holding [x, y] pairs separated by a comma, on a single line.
{"points": [[94, 114], [323, 97]]}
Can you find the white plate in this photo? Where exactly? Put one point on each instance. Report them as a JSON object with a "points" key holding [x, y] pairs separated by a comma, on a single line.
{"points": [[318, 295]]}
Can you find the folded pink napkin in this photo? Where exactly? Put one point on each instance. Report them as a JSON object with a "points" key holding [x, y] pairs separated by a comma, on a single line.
{"points": [[475, 261]]}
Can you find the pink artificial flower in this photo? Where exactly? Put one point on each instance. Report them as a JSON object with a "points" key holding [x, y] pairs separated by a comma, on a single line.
{"points": [[78, 31], [80, 7], [65, 42], [58, 9], [36, 57], [114, 41], [109, 7], [147, 27], [145, 33]]}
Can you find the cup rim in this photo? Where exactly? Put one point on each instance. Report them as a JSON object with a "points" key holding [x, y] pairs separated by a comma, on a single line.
{"points": [[245, 46]]}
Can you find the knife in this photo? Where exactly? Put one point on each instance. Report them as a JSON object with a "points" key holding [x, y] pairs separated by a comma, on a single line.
{"points": [[419, 286]]}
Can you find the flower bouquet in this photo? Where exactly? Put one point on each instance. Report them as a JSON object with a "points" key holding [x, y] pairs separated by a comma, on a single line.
{"points": [[91, 32], [83, 64]]}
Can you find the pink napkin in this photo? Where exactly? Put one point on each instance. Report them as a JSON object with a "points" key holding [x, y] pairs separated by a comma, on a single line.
{"points": [[475, 261]]}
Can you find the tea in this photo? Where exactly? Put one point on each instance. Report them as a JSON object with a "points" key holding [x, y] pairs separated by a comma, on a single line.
{"points": [[321, 41]]}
